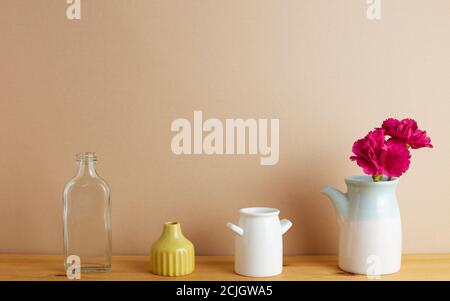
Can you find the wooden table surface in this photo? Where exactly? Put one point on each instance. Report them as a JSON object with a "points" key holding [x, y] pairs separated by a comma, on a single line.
{"points": [[50, 267]]}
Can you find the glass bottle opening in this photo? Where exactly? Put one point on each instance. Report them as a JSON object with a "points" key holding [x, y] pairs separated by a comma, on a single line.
{"points": [[86, 157]]}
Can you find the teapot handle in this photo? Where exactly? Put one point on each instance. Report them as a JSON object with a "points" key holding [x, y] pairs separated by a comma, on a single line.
{"points": [[285, 225]]}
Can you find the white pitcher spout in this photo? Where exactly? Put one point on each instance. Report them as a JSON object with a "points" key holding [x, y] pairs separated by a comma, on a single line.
{"points": [[339, 200], [285, 225], [236, 229]]}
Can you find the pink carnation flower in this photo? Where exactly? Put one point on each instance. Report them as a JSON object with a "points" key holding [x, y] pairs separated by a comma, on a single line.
{"points": [[407, 132], [378, 157], [395, 158], [367, 152]]}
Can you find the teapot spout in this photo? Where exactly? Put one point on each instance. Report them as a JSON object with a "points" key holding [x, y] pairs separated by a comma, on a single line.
{"points": [[339, 200]]}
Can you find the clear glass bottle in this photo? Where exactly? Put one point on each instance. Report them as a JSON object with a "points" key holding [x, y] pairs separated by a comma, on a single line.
{"points": [[87, 217]]}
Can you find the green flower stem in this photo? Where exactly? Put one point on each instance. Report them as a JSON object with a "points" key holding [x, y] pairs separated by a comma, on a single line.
{"points": [[377, 178]]}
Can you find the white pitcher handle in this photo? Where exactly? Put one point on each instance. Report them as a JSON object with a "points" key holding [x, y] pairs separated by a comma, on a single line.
{"points": [[285, 225], [236, 229]]}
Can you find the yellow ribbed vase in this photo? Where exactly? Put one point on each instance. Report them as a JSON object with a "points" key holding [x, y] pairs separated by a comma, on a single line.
{"points": [[172, 254]]}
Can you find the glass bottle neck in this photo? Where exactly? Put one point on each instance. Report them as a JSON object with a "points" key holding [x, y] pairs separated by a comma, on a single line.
{"points": [[86, 169]]}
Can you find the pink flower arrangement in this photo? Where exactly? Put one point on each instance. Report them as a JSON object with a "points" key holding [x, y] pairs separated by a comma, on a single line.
{"points": [[390, 157], [406, 131]]}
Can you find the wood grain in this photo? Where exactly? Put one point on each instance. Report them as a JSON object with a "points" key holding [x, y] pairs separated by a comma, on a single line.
{"points": [[50, 267]]}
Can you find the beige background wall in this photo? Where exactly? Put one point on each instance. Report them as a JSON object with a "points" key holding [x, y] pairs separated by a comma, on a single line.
{"points": [[114, 81]]}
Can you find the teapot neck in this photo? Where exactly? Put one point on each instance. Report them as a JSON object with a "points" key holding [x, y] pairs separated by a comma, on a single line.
{"points": [[371, 189], [360, 185]]}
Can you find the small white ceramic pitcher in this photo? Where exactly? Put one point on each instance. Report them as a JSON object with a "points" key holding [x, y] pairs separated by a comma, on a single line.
{"points": [[259, 244]]}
